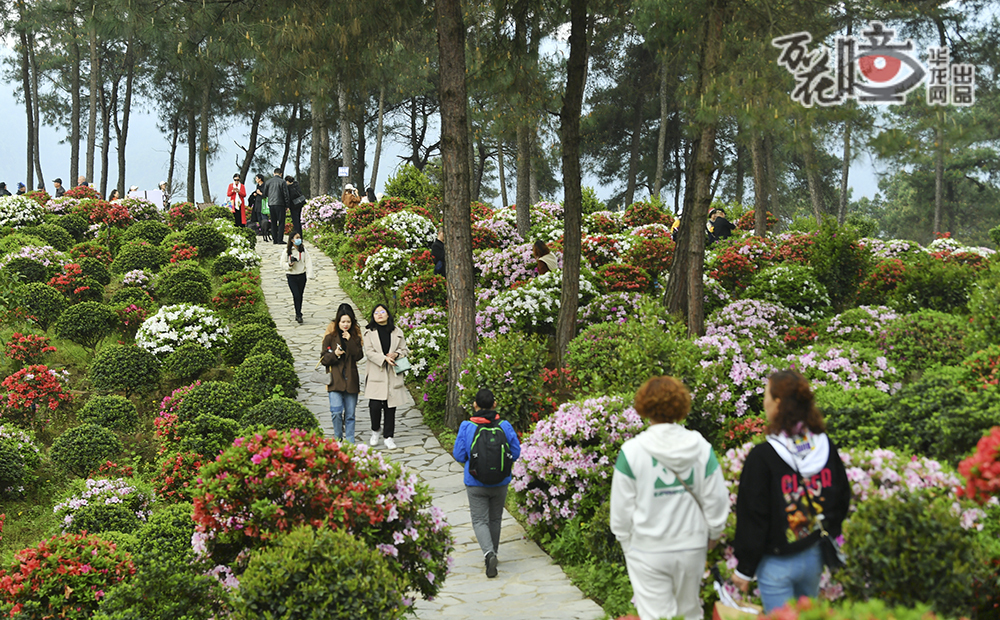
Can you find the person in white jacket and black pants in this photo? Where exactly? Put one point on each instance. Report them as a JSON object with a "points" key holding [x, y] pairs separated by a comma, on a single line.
{"points": [[669, 504], [298, 269]]}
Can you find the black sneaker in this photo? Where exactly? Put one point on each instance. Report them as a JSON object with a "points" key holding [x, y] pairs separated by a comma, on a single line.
{"points": [[491, 565], [298, 319]]}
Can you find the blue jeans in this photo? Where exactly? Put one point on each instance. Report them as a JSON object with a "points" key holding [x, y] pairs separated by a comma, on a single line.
{"points": [[342, 406], [786, 577]]}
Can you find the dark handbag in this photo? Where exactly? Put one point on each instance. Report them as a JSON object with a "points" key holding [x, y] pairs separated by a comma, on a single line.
{"points": [[833, 556], [299, 200]]}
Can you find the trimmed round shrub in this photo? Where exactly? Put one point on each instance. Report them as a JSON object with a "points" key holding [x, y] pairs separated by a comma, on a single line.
{"points": [[13, 470], [207, 434], [41, 301], [150, 230], [174, 325], [925, 339], [132, 295], [188, 293], [27, 270], [426, 290], [124, 368], [56, 236], [176, 281], [92, 249], [320, 574], [258, 375], [282, 414], [105, 504], [244, 337], [189, 361], [216, 212], [87, 323], [259, 316], [81, 450], [139, 254], [911, 548], [275, 345], [95, 269], [225, 264], [219, 398], [114, 412], [76, 225], [794, 287], [209, 241], [621, 277]]}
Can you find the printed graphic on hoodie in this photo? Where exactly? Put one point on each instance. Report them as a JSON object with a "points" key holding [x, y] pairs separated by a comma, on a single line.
{"points": [[801, 520], [662, 487]]}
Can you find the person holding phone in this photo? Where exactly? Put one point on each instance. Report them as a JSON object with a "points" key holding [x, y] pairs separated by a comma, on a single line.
{"points": [[384, 346], [340, 353], [237, 193], [298, 269]]}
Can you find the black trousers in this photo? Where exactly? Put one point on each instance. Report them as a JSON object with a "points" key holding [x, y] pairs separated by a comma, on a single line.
{"points": [[278, 224], [377, 407], [297, 284], [296, 213]]}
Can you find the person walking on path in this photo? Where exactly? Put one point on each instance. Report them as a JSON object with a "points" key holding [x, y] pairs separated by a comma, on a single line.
{"points": [[486, 501], [385, 345], [237, 193], [295, 202], [669, 504], [340, 353], [793, 488], [276, 191], [298, 269]]}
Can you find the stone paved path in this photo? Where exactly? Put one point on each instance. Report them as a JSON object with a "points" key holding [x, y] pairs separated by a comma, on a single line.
{"points": [[529, 585]]}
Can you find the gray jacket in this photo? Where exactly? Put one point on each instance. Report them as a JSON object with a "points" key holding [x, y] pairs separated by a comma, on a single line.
{"points": [[277, 192]]}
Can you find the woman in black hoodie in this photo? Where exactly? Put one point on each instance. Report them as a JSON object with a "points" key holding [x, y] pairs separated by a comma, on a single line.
{"points": [[789, 484]]}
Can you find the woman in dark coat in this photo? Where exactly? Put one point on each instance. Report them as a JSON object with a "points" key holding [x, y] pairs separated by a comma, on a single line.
{"points": [[341, 351], [296, 200]]}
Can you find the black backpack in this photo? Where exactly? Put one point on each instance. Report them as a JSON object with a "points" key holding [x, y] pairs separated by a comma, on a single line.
{"points": [[490, 458]]}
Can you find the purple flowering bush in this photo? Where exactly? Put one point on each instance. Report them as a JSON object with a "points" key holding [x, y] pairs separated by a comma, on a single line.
{"points": [[501, 269], [566, 463], [863, 325], [323, 211], [530, 308], [613, 307], [849, 367], [105, 504]]}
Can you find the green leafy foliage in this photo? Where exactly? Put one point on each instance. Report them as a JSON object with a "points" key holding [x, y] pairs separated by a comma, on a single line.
{"points": [[282, 414], [243, 338], [924, 339], [150, 230], [933, 284], [188, 361], [225, 264], [41, 301], [139, 254], [257, 376], [412, 185], [320, 574], [509, 366], [14, 472], [26, 269], [132, 295], [207, 434], [181, 281], [76, 225], [795, 287], [209, 241], [81, 450], [219, 398], [983, 305], [87, 323], [114, 412], [104, 505], [274, 345], [839, 263], [124, 368], [56, 236], [911, 549], [853, 417], [95, 269]]}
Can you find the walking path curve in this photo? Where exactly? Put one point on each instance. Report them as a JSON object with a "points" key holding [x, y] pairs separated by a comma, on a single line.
{"points": [[530, 585]]}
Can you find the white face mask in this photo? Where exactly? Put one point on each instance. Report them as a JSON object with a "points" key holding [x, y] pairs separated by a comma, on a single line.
{"points": [[298, 242]]}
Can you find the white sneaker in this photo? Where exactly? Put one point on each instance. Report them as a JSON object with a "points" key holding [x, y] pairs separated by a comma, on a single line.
{"points": [[374, 439], [389, 443]]}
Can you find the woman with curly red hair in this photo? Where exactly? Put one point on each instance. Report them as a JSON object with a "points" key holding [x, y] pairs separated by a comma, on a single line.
{"points": [[789, 484], [669, 504]]}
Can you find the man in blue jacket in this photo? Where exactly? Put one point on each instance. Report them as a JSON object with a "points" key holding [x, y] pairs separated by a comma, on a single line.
{"points": [[486, 501]]}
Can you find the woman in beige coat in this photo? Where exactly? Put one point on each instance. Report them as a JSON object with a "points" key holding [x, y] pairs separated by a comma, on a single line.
{"points": [[384, 345]]}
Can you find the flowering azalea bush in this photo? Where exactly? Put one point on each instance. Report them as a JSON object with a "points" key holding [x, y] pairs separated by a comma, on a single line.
{"points": [[793, 286], [417, 230], [602, 223], [883, 279], [366, 213], [174, 325], [20, 446], [141, 209], [180, 214], [731, 269], [483, 238], [614, 307], [509, 366], [982, 470], [27, 348], [426, 290], [862, 325], [502, 268], [34, 386], [620, 277], [66, 576], [749, 220], [603, 249], [45, 255], [566, 463], [799, 336], [166, 420], [654, 255], [18, 211], [236, 295], [270, 483], [75, 285], [640, 213], [82, 192], [530, 308], [323, 210], [106, 213], [388, 269], [91, 249], [182, 252], [794, 248], [105, 504]]}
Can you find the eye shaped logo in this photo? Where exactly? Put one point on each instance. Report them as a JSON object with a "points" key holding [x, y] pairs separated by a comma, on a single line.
{"points": [[884, 69]]}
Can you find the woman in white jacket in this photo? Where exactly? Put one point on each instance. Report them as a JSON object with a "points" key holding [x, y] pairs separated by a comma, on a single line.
{"points": [[298, 269], [385, 345], [669, 504]]}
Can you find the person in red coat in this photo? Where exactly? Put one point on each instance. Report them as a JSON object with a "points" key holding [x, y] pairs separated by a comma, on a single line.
{"points": [[237, 193]]}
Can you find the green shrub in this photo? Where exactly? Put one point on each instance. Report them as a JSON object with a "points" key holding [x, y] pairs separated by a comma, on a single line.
{"points": [[257, 376], [207, 434], [168, 530], [215, 212], [259, 316], [582, 541], [590, 202], [225, 264], [219, 398], [95, 269], [113, 412], [282, 414], [132, 295], [14, 472], [103, 505], [794, 287], [27, 270], [188, 293], [863, 326], [275, 345], [412, 185], [87, 323], [983, 306], [183, 280], [509, 366], [935, 417], [839, 263], [76, 225], [911, 549], [628, 354], [122, 541], [56, 236], [41, 301], [934, 284], [243, 338], [139, 254], [124, 368], [81, 450], [853, 417], [92, 249], [209, 241], [322, 574], [924, 339], [188, 361], [150, 230]]}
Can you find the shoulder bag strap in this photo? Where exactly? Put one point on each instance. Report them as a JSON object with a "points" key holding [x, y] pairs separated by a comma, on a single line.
{"points": [[812, 510]]}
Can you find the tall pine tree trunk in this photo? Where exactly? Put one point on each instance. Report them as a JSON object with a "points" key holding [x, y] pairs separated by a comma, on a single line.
{"points": [[108, 105], [290, 128], [126, 113], [503, 175], [760, 185], [845, 170], [324, 154], [258, 112], [192, 131], [938, 177], [346, 144], [95, 73], [314, 155], [569, 128], [378, 137], [34, 111], [522, 197], [28, 110], [74, 118], [457, 215], [175, 135], [661, 141], [633, 156], [204, 148]]}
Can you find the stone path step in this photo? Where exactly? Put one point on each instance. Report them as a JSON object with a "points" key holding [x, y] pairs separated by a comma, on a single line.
{"points": [[529, 585]]}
